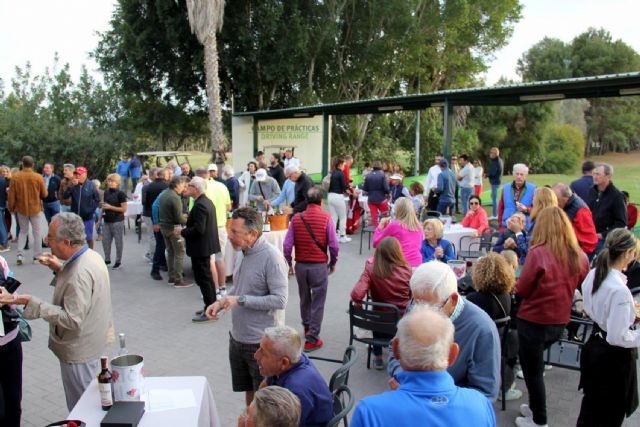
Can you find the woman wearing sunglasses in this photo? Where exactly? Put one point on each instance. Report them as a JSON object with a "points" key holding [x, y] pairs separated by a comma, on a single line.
{"points": [[476, 216]]}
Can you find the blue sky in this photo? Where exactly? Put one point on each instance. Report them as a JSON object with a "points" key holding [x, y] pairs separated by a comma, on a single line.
{"points": [[33, 30]]}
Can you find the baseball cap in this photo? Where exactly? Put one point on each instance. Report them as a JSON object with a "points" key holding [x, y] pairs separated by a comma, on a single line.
{"points": [[396, 176], [443, 162], [212, 167], [261, 175], [81, 170]]}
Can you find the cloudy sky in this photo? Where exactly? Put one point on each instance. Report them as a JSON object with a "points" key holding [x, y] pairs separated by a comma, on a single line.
{"points": [[33, 30]]}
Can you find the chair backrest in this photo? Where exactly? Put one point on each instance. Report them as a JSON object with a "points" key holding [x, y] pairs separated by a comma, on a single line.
{"points": [[343, 401], [486, 239], [373, 316], [341, 376]]}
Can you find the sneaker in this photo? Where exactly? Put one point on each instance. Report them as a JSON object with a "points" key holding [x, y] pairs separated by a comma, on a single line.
{"points": [[313, 346], [107, 262], [199, 312], [511, 394], [525, 411], [4, 248], [19, 260], [155, 275], [528, 422], [520, 374], [116, 266], [548, 367], [200, 318], [222, 291], [344, 239], [378, 363], [182, 284]]}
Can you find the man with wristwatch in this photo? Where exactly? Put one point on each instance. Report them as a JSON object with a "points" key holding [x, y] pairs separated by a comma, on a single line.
{"points": [[259, 293]]}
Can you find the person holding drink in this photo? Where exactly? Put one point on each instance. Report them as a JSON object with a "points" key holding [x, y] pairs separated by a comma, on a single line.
{"points": [[476, 216], [113, 208], [434, 247]]}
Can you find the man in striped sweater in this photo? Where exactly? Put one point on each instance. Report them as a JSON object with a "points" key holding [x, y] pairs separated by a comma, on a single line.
{"points": [[312, 233]]}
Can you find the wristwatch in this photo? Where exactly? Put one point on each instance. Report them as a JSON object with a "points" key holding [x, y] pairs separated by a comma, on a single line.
{"points": [[241, 300]]}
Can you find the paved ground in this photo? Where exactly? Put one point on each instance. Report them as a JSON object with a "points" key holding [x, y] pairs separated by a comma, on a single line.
{"points": [[157, 321]]}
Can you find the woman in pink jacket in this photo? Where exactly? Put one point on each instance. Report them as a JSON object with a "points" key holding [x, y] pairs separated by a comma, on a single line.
{"points": [[476, 216], [406, 228]]}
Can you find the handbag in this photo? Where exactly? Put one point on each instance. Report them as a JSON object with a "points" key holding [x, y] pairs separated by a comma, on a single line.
{"points": [[25, 328]]}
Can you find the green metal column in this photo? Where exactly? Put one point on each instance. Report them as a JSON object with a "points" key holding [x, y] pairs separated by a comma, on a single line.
{"points": [[325, 144], [448, 129], [255, 136]]}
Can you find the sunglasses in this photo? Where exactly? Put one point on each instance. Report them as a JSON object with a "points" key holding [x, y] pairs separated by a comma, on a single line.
{"points": [[474, 203]]}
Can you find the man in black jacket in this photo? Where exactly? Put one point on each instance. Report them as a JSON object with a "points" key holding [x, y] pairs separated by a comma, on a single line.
{"points": [[496, 169], [275, 170], [85, 199], [50, 204], [201, 239], [606, 203], [303, 185]]}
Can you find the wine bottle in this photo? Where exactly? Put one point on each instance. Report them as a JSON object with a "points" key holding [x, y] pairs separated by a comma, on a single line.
{"points": [[104, 384], [123, 348]]}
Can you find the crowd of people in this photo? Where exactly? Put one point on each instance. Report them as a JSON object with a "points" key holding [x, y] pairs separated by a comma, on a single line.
{"points": [[553, 248]]}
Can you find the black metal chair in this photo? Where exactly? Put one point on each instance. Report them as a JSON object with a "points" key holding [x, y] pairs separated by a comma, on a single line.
{"points": [[341, 376], [503, 331], [370, 229], [578, 330], [343, 401], [483, 244], [369, 316], [425, 214]]}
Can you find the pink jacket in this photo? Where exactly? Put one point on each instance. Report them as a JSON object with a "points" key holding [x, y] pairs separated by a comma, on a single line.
{"points": [[477, 220], [410, 241]]}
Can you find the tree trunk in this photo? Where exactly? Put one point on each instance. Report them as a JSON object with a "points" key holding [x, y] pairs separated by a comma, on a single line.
{"points": [[213, 96]]}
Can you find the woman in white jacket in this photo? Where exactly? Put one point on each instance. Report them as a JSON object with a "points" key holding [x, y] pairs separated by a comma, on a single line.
{"points": [[245, 180]]}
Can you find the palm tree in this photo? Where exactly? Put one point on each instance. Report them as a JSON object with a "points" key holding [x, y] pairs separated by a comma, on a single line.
{"points": [[205, 18]]}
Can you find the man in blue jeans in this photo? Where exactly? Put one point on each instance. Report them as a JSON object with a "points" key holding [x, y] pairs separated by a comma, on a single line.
{"points": [[4, 243], [496, 168]]}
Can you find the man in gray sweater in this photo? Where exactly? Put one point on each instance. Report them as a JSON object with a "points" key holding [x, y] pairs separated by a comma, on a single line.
{"points": [[260, 289]]}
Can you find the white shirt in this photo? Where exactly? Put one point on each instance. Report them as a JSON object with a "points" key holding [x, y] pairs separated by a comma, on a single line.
{"points": [[432, 178], [292, 161], [612, 308], [477, 175], [467, 176]]}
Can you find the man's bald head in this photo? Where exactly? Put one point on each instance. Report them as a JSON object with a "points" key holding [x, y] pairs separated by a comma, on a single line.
{"points": [[424, 341], [563, 193]]}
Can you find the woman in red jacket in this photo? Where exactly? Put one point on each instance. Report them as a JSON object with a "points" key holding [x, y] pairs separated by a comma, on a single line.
{"points": [[386, 279], [476, 216], [554, 268]]}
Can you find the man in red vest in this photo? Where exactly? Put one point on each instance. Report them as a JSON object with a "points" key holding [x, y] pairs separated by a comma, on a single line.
{"points": [[312, 233]]}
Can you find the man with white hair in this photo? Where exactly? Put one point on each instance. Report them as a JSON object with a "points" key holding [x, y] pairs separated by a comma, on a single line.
{"points": [[427, 391], [233, 185], [283, 364], [201, 241], [272, 406], [303, 185], [517, 196], [288, 193], [263, 189], [79, 315], [478, 363]]}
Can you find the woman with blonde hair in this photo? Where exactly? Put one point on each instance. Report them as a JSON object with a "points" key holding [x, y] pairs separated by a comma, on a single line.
{"points": [[554, 268], [385, 279], [406, 228], [113, 208], [542, 198], [434, 247], [608, 361]]}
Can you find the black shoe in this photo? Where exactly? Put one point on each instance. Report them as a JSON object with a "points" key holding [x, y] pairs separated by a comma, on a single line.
{"points": [[199, 312], [107, 262], [116, 266], [155, 275]]}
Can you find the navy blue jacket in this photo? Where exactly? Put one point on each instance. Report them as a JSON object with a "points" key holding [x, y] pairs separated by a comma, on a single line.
{"points": [[496, 169], [52, 188], [84, 199], [582, 186], [234, 191], [377, 186], [3, 193], [304, 380]]}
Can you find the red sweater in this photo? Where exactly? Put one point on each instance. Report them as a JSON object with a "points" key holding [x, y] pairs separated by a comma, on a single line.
{"points": [[546, 287], [392, 290], [306, 249], [477, 219], [585, 230], [632, 216]]}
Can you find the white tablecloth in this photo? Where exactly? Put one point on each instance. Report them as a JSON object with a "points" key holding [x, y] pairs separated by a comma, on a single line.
{"points": [[455, 232], [276, 238], [133, 209], [204, 414]]}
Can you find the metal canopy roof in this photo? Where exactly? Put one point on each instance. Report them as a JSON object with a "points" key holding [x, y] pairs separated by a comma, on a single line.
{"points": [[584, 87]]}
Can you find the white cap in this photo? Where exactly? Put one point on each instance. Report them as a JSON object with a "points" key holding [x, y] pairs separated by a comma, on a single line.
{"points": [[261, 175], [212, 167], [396, 176]]}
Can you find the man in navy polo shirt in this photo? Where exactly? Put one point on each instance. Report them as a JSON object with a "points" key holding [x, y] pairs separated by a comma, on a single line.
{"points": [[282, 362]]}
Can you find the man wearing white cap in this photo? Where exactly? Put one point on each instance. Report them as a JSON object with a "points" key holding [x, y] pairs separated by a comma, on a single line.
{"points": [[264, 188], [396, 189], [218, 193]]}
